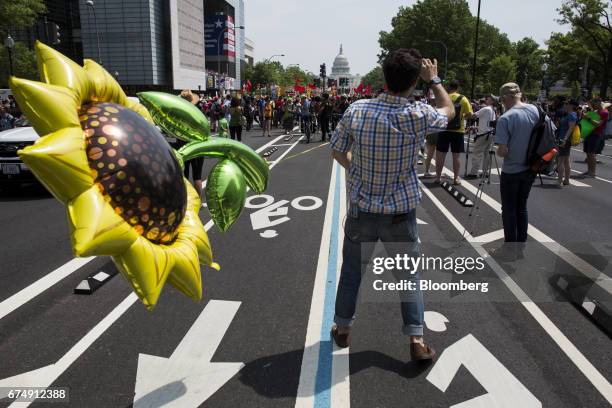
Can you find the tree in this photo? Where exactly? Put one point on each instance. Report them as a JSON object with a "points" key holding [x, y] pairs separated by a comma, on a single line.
{"points": [[590, 21], [375, 78], [16, 14], [502, 69], [264, 74], [451, 22], [529, 59], [24, 64]]}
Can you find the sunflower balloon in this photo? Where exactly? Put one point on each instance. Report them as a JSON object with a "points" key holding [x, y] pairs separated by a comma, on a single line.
{"points": [[101, 155]]}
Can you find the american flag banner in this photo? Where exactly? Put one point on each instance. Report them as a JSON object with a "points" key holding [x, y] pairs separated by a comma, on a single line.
{"points": [[229, 38]]}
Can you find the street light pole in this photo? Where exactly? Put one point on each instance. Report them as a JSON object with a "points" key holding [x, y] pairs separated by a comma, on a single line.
{"points": [[445, 55], [90, 3], [475, 52], [275, 55], [9, 43]]}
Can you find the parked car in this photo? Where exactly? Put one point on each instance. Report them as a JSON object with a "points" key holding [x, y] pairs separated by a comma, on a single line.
{"points": [[12, 170]]}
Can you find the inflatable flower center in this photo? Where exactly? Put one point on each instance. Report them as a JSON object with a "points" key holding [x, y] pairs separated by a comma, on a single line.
{"points": [[135, 169]]}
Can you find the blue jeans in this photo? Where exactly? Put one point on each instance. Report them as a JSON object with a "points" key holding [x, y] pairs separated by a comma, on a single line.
{"points": [[515, 188], [368, 227]]}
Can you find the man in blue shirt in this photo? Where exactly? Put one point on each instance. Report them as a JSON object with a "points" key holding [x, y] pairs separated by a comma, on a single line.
{"points": [[383, 136], [513, 133]]}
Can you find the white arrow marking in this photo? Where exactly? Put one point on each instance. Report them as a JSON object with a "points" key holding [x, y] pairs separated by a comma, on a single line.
{"points": [[503, 389], [420, 221], [435, 321], [188, 378]]}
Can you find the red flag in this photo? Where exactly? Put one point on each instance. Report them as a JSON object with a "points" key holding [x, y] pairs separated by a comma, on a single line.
{"points": [[360, 88], [312, 86], [248, 85], [368, 90]]}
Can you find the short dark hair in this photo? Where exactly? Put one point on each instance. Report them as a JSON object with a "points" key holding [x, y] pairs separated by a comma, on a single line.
{"points": [[235, 102], [402, 68], [453, 85]]}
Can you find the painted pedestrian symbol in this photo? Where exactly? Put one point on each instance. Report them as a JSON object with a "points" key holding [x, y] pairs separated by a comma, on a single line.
{"points": [[271, 213]]}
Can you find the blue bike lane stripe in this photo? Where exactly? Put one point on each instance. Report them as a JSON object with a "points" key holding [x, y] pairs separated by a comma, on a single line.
{"points": [[324, 367]]}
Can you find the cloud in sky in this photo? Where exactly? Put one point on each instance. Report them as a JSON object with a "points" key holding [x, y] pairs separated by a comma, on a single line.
{"points": [[309, 32]]}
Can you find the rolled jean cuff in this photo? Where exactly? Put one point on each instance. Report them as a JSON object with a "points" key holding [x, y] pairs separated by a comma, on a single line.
{"points": [[344, 322], [412, 330]]}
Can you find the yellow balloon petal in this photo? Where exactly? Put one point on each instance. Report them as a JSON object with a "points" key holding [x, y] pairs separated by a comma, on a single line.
{"points": [[57, 69], [59, 161], [49, 108], [139, 108], [146, 267], [106, 88], [192, 227], [185, 275], [95, 228]]}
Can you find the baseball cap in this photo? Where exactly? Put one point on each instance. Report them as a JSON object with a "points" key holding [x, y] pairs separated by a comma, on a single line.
{"points": [[509, 89]]}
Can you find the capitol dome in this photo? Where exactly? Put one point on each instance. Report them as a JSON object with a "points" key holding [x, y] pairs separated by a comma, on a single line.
{"points": [[341, 64]]}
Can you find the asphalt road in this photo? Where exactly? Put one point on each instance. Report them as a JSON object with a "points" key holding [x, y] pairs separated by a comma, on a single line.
{"points": [[523, 344]]}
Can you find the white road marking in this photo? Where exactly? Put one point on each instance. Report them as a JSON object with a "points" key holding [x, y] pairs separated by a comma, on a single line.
{"points": [[435, 321], [490, 237], [341, 384], [45, 376], [597, 177], [503, 389], [599, 278], [30, 292], [187, 377], [570, 350], [572, 181], [308, 372]]}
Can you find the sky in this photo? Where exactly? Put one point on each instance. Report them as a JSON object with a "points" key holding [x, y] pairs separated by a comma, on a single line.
{"points": [[294, 28]]}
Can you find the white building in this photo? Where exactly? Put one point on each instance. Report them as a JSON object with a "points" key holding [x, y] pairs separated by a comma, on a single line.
{"points": [[341, 73]]}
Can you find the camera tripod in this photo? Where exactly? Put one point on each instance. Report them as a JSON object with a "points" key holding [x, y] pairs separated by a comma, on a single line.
{"points": [[485, 178]]}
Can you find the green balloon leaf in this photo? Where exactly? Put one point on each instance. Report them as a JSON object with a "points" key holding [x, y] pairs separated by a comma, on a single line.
{"points": [[176, 116], [225, 194], [255, 169]]}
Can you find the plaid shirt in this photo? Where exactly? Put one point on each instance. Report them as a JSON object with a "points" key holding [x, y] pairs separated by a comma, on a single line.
{"points": [[384, 135]]}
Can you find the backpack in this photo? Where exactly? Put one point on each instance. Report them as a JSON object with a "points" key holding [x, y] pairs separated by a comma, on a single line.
{"points": [[543, 147], [455, 124]]}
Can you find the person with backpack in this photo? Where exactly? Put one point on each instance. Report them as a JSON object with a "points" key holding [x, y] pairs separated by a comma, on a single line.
{"points": [[567, 121], [236, 120], [514, 133], [305, 116], [453, 137]]}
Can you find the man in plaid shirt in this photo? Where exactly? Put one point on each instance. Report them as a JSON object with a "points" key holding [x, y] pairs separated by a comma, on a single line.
{"points": [[378, 141]]}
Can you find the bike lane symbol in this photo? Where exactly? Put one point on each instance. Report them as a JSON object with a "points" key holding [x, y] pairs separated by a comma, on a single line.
{"points": [[270, 213]]}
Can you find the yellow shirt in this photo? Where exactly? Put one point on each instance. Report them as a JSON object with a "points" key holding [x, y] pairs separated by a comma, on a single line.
{"points": [[466, 110]]}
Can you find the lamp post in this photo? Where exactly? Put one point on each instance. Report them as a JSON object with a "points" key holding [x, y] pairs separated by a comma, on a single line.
{"points": [[9, 43], [275, 55], [90, 3], [475, 52], [445, 55]]}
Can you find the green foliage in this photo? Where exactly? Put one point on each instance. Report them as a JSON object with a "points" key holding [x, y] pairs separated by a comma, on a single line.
{"points": [[15, 14], [375, 78], [592, 30], [451, 22], [502, 69], [529, 59], [24, 64], [273, 73]]}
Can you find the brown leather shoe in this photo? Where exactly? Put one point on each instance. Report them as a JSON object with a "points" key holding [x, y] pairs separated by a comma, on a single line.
{"points": [[419, 352], [341, 340]]}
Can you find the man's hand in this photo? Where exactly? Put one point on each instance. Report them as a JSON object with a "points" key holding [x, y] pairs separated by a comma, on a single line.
{"points": [[502, 150], [429, 70]]}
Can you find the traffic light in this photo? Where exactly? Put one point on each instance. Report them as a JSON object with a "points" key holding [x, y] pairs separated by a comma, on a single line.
{"points": [[53, 33], [323, 71]]}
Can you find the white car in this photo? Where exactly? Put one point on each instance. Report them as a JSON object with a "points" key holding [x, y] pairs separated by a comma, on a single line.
{"points": [[12, 170]]}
